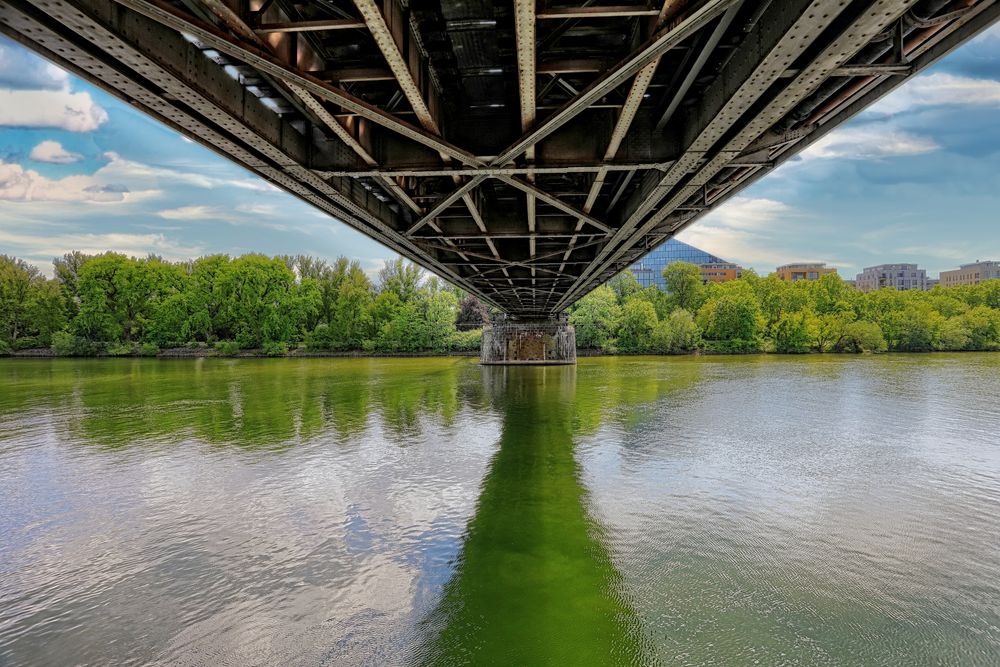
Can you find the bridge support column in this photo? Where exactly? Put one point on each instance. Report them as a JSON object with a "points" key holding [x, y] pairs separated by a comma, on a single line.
{"points": [[546, 341]]}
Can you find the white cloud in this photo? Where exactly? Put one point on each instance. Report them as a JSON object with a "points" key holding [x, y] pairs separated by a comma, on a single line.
{"points": [[53, 151], [50, 245], [939, 89], [59, 109], [20, 185], [190, 213], [747, 231], [22, 69], [258, 209], [130, 171], [869, 142]]}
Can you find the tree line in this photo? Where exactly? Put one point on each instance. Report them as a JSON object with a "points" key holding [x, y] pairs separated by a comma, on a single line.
{"points": [[118, 305], [113, 304], [767, 314]]}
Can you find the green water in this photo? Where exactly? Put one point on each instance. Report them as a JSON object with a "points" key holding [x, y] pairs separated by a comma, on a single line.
{"points": [[693, 511]]}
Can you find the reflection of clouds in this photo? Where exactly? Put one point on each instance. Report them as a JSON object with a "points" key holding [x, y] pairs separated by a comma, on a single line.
{"points": [[781, 491], [326, 550]]}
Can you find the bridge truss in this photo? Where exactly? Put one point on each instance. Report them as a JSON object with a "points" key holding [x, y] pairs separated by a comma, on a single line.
{"points": [[525, 152]]}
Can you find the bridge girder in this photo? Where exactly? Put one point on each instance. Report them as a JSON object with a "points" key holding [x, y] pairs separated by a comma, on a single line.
{"points": [[497, 143]]}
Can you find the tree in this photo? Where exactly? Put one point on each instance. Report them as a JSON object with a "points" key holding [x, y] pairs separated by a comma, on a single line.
{"points": [[862, 337], [684, 285], [793, 333], [636, 327], [472, 313], [677, 333], [733, 316], [624, 285], [595, 318], [16, 279], [401, 277]]}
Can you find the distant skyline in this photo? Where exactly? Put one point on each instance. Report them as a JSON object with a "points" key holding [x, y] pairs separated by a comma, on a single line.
{"points": [[914, 179]]}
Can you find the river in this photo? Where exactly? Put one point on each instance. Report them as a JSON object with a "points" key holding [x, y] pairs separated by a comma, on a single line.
{"points": [[818, 510]]}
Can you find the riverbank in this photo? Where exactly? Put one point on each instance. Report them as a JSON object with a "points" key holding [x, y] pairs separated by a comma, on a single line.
{"points": [[303, 353]]}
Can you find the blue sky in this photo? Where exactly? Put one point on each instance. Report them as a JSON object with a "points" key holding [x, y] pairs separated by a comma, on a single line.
{"points": [[914, 179]]}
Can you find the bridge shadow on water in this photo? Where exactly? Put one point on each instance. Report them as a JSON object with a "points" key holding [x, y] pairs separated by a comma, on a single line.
{"points": [[534, 583]]}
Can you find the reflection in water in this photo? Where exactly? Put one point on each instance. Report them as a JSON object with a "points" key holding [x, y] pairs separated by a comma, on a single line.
{"points": [[534, 582], [690, 511]]}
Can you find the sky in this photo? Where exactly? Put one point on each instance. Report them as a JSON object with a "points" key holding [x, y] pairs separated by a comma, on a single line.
{"points": [[915, 178]]}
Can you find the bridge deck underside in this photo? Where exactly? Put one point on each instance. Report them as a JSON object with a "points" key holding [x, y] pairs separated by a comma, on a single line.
{"points": [[525, 152]]}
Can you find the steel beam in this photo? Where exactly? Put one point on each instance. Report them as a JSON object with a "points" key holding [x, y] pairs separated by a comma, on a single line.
{"points": [[612, 12], [679, 30], [253, 56], [309, 26]]}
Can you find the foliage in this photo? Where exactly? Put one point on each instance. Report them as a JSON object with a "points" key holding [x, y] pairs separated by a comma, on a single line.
{"points": [[792, 333], [472, 313], [65, 344], [119, 305], [227, 348], [465, 341], [637, 324], [275, 348], [684, 285], [595, 318], [678, 333]]}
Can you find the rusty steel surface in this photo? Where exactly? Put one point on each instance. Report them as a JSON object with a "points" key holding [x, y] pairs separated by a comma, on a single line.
{"points": [[525, 151]]}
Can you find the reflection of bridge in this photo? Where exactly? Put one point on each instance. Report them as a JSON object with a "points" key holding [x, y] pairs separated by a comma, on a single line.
{"points": [[524, 152]]}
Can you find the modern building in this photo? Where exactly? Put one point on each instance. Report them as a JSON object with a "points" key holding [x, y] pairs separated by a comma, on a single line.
{"points": [[804, 271], [970, 274], [899, 276], [720, 272], [649, 270]]}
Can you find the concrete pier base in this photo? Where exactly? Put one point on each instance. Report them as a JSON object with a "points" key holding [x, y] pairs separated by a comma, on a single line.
{"points": [[534, 342]]}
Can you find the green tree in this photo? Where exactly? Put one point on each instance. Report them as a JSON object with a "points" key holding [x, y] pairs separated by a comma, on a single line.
{"points": [[636, 327], [677, 333], [794, 333], [733, 317], [624, 285], [595, 318], [401, 277], [684, 285]]}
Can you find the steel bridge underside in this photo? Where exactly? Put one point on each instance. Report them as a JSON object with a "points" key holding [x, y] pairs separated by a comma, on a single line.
{"points": [[524, 152]]}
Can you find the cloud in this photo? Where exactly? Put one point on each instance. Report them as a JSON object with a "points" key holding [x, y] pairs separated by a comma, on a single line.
{"points": [[21, 69], [52, 151], [57, 109], [869, 142], [20, 185], [130, 171], [939, 89], [48, 245], [258, 209], [745, 230], [190, 213]]}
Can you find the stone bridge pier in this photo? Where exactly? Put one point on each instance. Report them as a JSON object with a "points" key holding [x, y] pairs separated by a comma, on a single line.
{"points": [[549, 341]]}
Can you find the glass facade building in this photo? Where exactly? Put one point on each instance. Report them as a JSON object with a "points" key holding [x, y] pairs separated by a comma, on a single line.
{"points": [[649, 270]]}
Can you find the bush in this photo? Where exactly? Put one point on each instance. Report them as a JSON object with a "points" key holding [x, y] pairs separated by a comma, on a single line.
{"points": [[734, 346], [120, 350], [465, 341], [863, 337], [677, 333], [275, 348], [148, 350], [227, 348], [5, 348], [27, 343], [193, 345], [322, 338], [65, 344], [792, 333]]}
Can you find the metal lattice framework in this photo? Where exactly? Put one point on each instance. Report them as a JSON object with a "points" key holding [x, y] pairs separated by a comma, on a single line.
{"points": [[524, 152]]}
